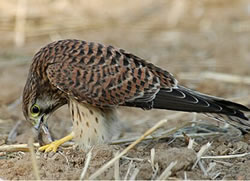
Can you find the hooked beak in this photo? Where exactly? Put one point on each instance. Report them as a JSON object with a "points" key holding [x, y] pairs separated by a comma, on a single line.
{"points": [[41, 127], [39, 122]]}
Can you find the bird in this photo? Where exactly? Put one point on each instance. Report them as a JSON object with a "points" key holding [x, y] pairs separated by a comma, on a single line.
{"points": [[95, 80]]}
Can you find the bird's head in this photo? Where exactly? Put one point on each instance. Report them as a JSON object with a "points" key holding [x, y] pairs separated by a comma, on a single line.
{"points": [[40, 100]]}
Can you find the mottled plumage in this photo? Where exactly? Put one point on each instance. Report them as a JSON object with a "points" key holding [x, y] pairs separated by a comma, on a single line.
{"points": [[102, 78]]}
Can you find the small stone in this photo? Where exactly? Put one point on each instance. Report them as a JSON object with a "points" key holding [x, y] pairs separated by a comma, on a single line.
{"points": [[185, 158]]}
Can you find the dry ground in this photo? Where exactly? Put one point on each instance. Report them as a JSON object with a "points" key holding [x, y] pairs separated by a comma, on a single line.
{"points": [[188, 38]]}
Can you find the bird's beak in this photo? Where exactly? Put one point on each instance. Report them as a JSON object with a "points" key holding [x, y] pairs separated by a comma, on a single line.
{"points": [[41, 127], [39, 122]]}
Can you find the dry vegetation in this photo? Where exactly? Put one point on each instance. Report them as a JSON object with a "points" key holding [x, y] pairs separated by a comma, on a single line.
{"points": [[204, 43]]}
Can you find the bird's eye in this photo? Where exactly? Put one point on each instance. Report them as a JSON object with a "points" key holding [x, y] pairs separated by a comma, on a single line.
{"points": [[35, 110]]}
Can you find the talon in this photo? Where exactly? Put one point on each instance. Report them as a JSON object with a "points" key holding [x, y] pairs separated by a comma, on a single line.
{"points": [[50, 147], [55, 144]]}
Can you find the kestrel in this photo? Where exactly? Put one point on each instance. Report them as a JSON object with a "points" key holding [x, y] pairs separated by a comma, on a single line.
{"points": [[94, 80]]}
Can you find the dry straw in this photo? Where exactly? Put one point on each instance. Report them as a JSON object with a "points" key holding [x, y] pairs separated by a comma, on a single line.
{"points": [[34, 160], [111, 162]]}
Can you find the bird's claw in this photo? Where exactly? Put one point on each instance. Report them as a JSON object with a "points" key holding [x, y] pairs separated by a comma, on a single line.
{"points": [[55, 144], [51, 146]]}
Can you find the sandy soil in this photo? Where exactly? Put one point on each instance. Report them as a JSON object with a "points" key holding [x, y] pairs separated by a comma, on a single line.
{"points": [[205, 36]]}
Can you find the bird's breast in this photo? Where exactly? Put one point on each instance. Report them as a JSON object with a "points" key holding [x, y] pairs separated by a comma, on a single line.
{"points": [[93, 125]]}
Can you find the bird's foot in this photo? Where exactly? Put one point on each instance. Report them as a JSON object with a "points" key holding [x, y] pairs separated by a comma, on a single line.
{"points": [[55, 144], [51, 146]]}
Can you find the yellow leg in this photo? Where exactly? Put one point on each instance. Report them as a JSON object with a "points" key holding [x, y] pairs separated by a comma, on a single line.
{"points": [[55, 144]]}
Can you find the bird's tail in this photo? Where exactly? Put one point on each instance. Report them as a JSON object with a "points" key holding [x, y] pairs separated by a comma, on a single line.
{"points": [[232, 120], [183, 99]]}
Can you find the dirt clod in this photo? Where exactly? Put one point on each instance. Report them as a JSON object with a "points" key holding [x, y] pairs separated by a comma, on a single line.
{"points": [[185, 158]]}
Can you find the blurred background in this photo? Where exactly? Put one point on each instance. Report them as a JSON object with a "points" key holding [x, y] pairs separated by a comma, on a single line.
{"points": [[204, 43]]}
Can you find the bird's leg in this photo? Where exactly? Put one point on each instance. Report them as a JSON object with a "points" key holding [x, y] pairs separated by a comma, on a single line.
{"points": [[55, 144]]}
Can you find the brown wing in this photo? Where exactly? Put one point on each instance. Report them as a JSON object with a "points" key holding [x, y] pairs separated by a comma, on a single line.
{"points": [[105, 76]]}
